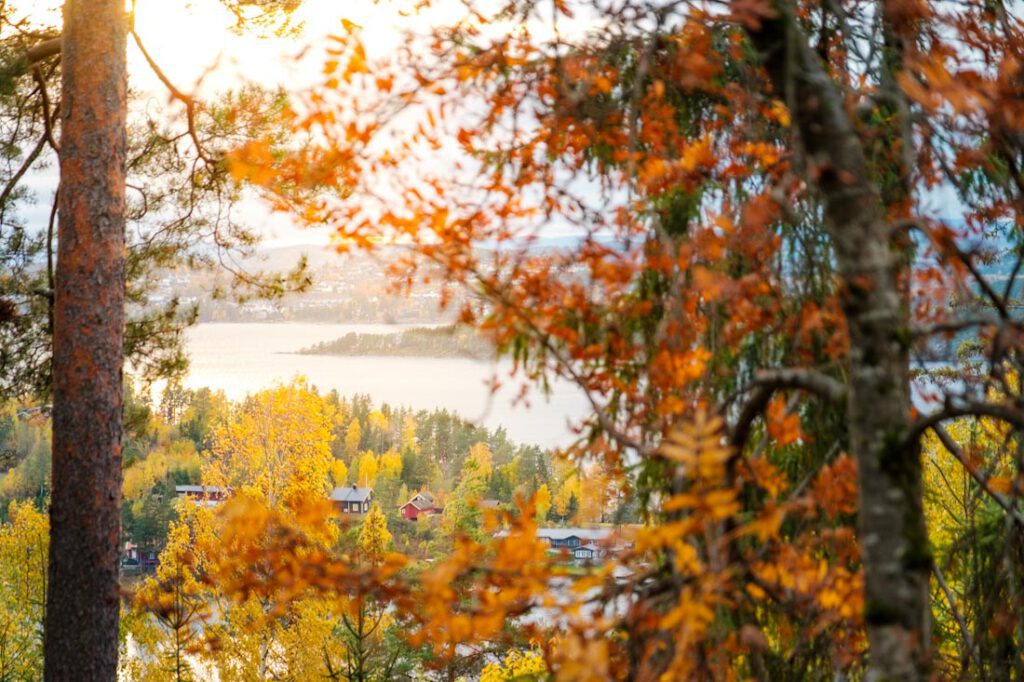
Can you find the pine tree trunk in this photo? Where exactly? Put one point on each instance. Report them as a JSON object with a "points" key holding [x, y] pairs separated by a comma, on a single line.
{"points": [[83, 602]]}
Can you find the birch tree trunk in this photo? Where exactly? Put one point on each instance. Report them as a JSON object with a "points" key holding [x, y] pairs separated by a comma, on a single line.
{"points": [[871, 265]]}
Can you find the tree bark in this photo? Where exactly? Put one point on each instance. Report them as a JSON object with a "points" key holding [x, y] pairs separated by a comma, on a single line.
{"points": [[893, 537], [83, 603]]}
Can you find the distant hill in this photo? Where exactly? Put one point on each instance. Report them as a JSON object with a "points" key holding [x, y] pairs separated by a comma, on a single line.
{"points": [[320, 255], [433, 342]]}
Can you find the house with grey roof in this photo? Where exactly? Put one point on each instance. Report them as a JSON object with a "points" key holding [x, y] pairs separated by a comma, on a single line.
{"points": [[352, 499], [571, 538], [581, 544], [588, 552]]}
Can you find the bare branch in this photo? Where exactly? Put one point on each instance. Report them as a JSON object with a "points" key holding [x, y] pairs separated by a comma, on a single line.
{"points": [[965, 408], [951, 327], [42, 51], [49, 118], [957, 616], [979, 477], [187, 100], [12, 184]]}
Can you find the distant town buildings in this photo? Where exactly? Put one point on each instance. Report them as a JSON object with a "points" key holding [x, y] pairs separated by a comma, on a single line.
{"points": [[347, 289]]}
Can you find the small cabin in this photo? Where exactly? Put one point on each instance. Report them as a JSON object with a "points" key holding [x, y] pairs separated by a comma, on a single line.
{"points": [[581, 544], [571, 538], [202, 495], [352, 499], [421, 504], [137, 557], [588, 552]]}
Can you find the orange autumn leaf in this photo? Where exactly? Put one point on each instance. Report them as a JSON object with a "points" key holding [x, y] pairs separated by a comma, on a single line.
{"points": [[783, 426]]}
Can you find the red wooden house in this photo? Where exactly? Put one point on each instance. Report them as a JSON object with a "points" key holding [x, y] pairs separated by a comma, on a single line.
{"points": [[140, 557], [421, 504]]}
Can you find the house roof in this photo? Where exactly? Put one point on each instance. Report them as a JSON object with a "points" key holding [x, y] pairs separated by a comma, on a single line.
{"points": [[489, 504], [201, 489], [590, 534], [590, 547], [351, 493], [421, 501]]}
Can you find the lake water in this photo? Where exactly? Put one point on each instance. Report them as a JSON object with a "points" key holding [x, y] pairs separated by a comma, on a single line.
{"points": [[244, 358]]}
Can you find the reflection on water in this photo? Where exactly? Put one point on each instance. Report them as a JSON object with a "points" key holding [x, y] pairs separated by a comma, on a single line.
{"points": [[243, 358]]}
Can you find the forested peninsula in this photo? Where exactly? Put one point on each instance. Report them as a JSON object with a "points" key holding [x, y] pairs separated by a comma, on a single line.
{"points": [[430, 342]]}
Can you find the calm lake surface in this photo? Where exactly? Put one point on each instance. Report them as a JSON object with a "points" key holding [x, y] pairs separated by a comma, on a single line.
{"points": [[244, 358]]}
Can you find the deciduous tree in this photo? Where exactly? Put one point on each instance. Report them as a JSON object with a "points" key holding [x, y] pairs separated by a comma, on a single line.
{"points": [[179, 602], [276, 446], [353, 437], [374, 537], [24, 544], [757, 260]]}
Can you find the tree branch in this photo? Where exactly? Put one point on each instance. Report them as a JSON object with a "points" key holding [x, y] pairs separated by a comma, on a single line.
{"points": [[767, 382], [187, 100], [980, 478], [957, 616], [12, 184], [44, 50], [48, 118], [966, 408]]}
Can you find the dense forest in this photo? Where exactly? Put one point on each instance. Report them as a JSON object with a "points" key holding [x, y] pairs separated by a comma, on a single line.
{"points": [[198, 437], [395, 451]]}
